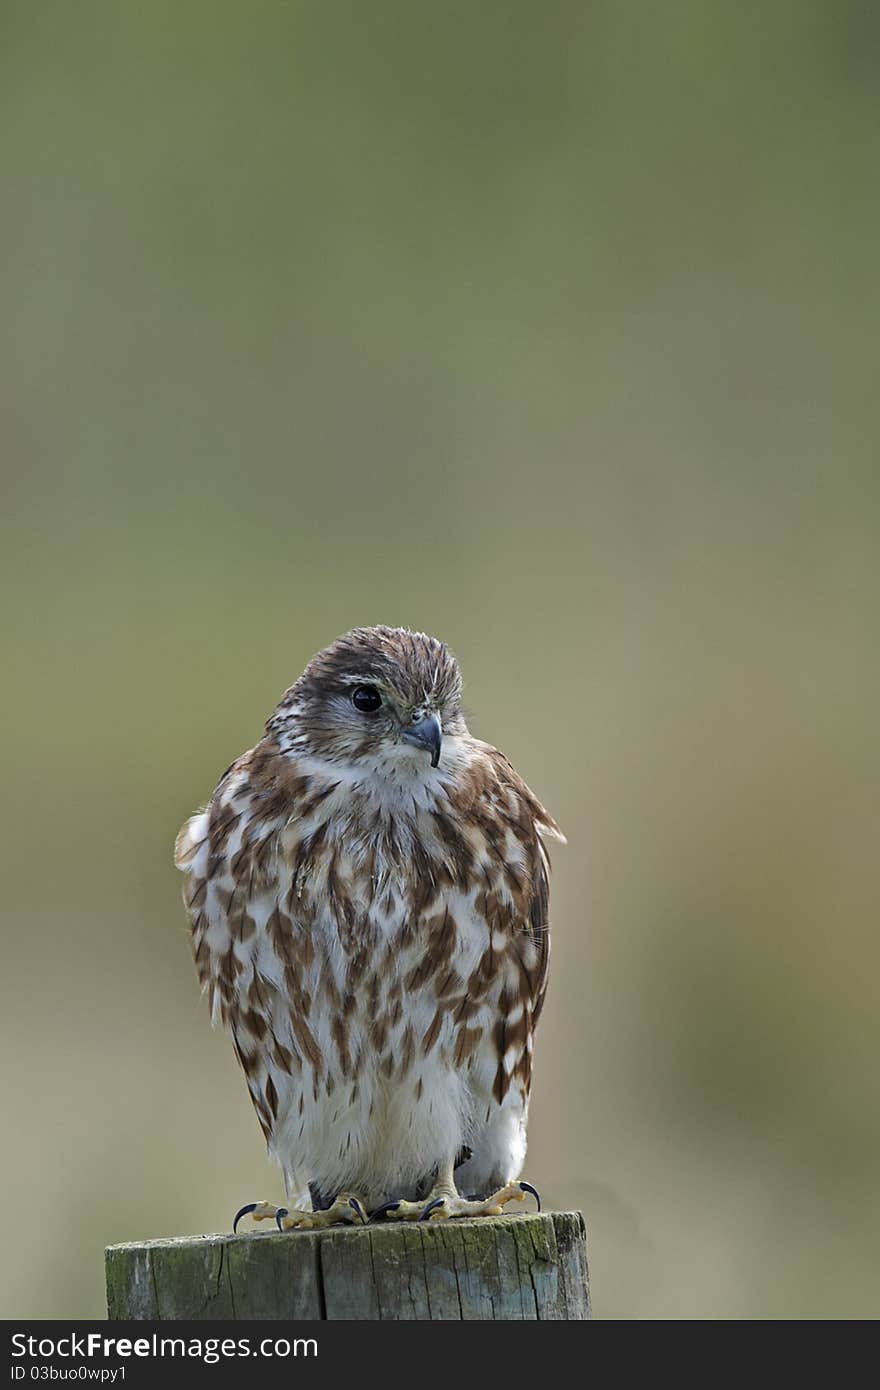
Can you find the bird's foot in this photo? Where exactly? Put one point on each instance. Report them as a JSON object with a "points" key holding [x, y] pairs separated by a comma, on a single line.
{"points": [[346, 1208], [444, 1203]]}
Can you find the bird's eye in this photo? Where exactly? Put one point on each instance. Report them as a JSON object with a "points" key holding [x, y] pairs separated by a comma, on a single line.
{"points": [[366, 698]]}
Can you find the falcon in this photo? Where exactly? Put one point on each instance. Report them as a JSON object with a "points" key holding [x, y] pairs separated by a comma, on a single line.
{"points": [[368, 899]]}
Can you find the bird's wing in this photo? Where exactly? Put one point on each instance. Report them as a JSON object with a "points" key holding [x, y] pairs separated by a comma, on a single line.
{"points": [[249, 950], [514, 903]]}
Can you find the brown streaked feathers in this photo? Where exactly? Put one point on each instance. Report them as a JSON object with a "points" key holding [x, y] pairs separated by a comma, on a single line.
{"points": [[374, 930]]}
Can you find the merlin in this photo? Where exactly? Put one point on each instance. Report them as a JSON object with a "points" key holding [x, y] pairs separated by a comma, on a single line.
{"points": [[368, 897]]}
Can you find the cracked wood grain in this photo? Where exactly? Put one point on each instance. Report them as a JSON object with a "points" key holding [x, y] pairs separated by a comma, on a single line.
{"points": [[525, 1267]]}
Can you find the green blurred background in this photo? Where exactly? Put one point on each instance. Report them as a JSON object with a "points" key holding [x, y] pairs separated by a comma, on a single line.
{"points": [[551, 329]]}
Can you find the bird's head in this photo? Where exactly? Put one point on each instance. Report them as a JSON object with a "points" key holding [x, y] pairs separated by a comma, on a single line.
{"points": [[376, 697]]}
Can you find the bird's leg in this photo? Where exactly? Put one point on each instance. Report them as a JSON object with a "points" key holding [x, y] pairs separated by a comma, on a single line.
{"points": [[346, 1208], [445, 1201]]}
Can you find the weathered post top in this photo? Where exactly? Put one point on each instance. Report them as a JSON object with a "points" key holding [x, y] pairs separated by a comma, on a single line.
{"points": [[489, 1268]]}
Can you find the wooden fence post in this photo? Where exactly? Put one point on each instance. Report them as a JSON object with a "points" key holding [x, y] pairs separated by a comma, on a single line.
{"points": [[490, 1268]]}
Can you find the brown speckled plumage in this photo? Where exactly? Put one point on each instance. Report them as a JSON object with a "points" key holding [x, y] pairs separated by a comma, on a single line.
{"points": [[374, 930]]}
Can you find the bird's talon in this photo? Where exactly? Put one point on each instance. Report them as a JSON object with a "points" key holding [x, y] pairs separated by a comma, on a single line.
{"points": [[385, 1207], [527, 1187], [432, 1206], [248, 1209], [358, 1210]]}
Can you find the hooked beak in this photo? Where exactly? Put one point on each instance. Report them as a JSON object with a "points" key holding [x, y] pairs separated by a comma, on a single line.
{"points": [[427, 733]]}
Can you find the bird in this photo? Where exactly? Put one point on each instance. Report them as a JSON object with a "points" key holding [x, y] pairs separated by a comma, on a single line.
{"points": [[368, 899]]}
